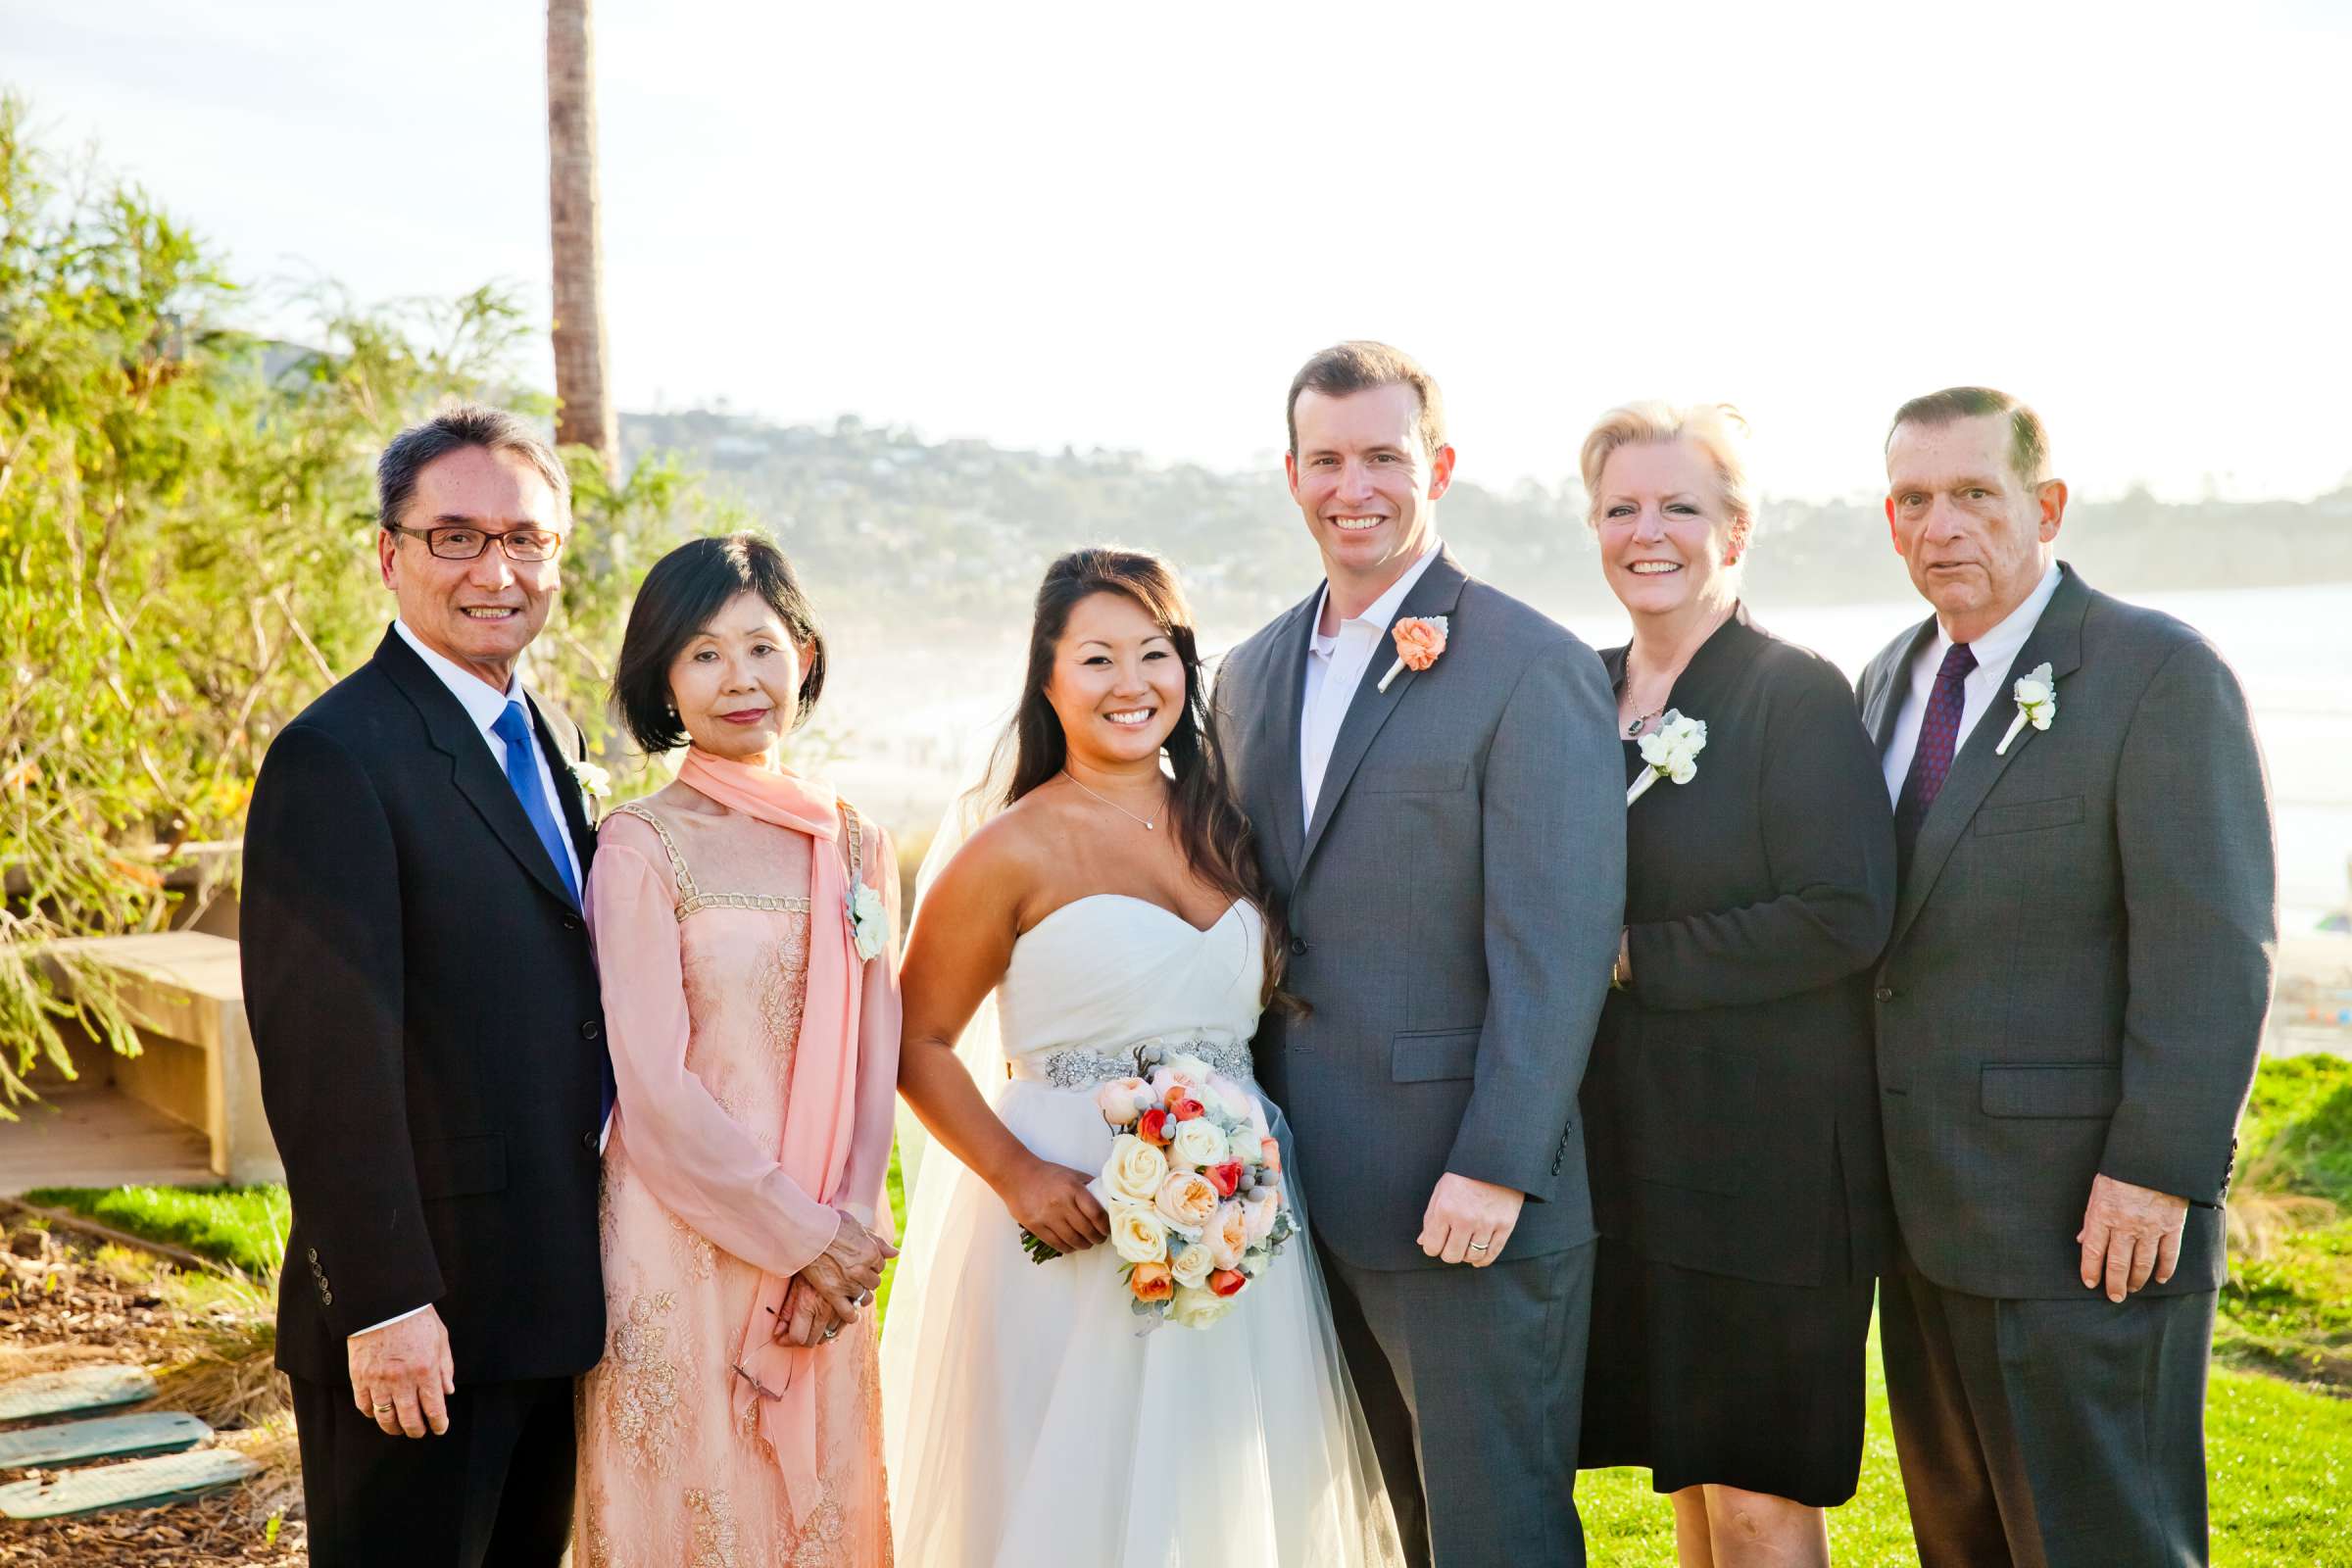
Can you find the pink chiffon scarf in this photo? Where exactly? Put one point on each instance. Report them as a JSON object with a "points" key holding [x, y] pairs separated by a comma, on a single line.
{"points": [[820, 1110]]}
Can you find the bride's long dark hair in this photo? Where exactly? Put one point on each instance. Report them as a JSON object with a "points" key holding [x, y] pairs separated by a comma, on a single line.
{"points": [[1218, 844]]}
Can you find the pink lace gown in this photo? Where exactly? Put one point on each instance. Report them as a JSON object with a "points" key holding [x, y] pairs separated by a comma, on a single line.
{"points": [[702, 927]]}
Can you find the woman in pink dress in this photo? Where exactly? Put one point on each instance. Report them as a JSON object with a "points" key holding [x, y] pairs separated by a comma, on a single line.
{"points": [[743, 926]]}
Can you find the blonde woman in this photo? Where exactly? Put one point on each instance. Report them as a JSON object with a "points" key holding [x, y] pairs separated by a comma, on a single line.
{"points": [[1731, 1104]]}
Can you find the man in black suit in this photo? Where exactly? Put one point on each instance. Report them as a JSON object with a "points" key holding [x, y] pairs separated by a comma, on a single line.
{"points": [[2066, 1015], [425, 1009]]}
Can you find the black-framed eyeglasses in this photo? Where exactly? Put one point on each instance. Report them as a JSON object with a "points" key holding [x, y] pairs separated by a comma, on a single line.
{"points": [[467, 544]]}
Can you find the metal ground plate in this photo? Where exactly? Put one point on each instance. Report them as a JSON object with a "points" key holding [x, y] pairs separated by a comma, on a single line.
{"points": [[138, 1484], [114, 1436], [70, 1393]]}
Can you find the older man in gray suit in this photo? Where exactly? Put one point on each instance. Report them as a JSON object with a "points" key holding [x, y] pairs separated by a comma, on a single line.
{"points": [[2068, 1016], [1450, 843]]}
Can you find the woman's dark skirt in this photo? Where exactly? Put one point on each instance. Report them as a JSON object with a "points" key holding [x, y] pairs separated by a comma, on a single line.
{"points": [[1703, 1378]]}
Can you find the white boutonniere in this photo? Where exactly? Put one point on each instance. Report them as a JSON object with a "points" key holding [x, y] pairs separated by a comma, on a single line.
{"points": [[870, 921], [1671, 751], [594, 782], [2036, 697]]}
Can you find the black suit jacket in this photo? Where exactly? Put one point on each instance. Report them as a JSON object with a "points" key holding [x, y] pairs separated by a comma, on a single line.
{"points": [[1731, 1104], [2082, 954], [425, 1010]]}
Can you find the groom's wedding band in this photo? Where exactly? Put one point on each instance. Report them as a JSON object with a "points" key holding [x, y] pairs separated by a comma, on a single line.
{"points": [[383, 1409], [1478, 1246]]}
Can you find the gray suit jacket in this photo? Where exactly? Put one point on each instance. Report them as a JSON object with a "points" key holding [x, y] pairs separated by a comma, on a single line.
{"points": [[1454, 908], [2082, 954]]}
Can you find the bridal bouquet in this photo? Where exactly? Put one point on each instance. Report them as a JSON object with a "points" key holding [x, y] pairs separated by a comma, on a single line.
{"points": [[1193, 1185]]}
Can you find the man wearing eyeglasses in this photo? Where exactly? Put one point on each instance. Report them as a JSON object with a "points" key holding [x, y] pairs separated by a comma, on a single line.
{"points": [[425, 1006]]}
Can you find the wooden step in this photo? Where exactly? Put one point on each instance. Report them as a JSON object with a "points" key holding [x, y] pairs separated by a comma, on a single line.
{"points": [[138, 1484], [114, 1436], [84, 1388]]}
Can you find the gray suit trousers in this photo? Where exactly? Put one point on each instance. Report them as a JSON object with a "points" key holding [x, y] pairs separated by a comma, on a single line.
{"points": [[1481, 1476], [2050, 1434]]}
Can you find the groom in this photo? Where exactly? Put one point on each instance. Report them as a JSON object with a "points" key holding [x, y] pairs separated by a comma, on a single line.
{"points": [[1450, 846]]}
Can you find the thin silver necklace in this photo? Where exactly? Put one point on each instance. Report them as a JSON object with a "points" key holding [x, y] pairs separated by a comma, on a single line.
{"points": [[1149, 822], [1641, 721]]}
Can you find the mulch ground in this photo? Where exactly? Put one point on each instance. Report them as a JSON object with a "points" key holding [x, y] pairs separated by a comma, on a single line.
{"points": [[60, 1306]]}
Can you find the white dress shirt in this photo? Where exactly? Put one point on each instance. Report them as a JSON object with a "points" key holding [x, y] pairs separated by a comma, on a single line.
{"points": [[483, 705], [1335, 668], [1979, 693]]}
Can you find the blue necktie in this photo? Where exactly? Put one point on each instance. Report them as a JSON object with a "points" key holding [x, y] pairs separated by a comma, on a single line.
{"points": [[514, 726]]}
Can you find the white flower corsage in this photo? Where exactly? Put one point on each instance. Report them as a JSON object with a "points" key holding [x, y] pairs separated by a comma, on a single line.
{"points": [[870, 921], [2036, 697], [594, 782], [1671, 751]]}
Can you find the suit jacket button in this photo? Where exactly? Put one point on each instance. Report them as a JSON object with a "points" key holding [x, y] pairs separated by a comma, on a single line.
{"points": [[1298, 947], [312, 1253], [588, 1142], [1884, 993], [589, 1030], [327, 1298], [571, 922]]}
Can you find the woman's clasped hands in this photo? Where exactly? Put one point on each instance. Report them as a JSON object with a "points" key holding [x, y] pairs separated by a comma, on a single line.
{"points": [[829, 1294]]}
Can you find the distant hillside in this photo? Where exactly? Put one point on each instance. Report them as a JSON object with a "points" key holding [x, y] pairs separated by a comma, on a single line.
{"points": [[965, 527]]}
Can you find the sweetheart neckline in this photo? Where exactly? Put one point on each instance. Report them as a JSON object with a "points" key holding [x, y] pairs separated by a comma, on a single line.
{"points": [[1211, 929]]}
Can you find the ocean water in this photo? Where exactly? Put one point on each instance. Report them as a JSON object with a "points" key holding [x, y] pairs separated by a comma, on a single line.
{"points": [[919, 722]]}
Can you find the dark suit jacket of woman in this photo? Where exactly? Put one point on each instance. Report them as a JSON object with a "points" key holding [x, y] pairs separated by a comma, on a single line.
{"points": [[1731, 1100]]}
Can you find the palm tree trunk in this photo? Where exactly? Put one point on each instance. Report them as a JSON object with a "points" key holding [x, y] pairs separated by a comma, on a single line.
{"points": [[582, 387]]}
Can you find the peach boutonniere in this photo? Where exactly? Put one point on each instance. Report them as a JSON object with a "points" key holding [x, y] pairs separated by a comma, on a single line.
{"points": [[1420, 639]]}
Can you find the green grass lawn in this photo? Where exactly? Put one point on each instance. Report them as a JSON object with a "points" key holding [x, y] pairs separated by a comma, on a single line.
{"points": [[2287, 1308], [2279, 1461], [244, 1227]]}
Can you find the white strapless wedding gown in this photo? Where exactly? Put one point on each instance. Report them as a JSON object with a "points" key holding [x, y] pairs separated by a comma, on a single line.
{"points": [[1026, 1423]]}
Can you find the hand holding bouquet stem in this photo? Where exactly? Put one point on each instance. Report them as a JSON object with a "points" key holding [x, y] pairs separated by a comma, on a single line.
{"points": [[1056, 1210]]}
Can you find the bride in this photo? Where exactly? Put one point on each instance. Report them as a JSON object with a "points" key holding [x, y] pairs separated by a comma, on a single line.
{"points": [[1112, 904]]}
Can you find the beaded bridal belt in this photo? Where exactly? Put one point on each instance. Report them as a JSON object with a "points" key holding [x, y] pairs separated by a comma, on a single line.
{"points": [[1076, 1067]]}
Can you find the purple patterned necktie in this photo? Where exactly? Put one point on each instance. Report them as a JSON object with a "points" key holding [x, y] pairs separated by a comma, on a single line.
{"points": [[1939, 736]]}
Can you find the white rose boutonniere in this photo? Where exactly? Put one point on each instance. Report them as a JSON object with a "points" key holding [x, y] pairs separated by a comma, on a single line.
{"points": [[1671, 751], [2036, 697], [870, 921], [594, 782]]}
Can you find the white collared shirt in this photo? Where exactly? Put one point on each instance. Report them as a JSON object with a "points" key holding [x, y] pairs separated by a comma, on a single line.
{"points": [[1335, 668], [1996, 652], [483, 705]]}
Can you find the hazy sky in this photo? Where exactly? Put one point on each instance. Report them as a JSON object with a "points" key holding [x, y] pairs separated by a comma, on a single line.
{"points": [[1125, 225]]}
